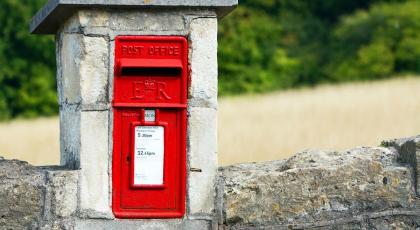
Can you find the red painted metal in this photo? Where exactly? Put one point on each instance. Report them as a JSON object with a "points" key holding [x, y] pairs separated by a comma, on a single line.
{"points": [[150, 73]]}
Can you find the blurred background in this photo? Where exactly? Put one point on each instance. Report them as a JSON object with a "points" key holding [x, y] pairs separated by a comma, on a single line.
{"points": [[293, 75]]}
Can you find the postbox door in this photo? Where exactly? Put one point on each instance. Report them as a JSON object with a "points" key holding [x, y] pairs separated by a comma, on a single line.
{"points": [[149, 151]]}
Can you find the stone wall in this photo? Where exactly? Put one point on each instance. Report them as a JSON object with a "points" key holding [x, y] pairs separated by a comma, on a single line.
{"points": [[36, 197], [362, 188]]}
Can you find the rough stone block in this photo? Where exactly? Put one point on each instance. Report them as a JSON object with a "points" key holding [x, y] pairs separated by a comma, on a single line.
{"points": [[382, 223], [202, 152], [54, 13], [64, 189], [317, 186], [104, 23], [203, 60], [71, 54], [394, 222], [147, 20], [84, 70], [409, 153], [70, 137], [86, 18], [94, 187], [94, 71], [21, 195], [94, 18], [142, 224]]}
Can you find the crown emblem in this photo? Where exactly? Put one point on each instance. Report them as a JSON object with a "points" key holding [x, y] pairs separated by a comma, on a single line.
{"points": [[149, 84]]}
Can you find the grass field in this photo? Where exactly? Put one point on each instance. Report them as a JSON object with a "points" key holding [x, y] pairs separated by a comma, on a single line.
{"points": [[35, 141], [271, 126], [277, 125]]}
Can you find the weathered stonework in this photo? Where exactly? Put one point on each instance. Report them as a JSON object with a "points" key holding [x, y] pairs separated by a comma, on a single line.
{"points": [[359, 188], [165, 20], [63, 186], [55, 13], [83, 65], [85, 40], [202, 151], [69, 136], [94, 157], [82, 19], [203, 91], [146, 224], [202, 117], [85, 92], [111, 23], [85, 49], [36, 197], [362, 188], [69, 78], [409, 149], [21, 195], [83, 71]]}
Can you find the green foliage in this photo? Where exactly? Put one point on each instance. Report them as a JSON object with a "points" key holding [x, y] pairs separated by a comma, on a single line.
{"points": [[292, 36], [317, 41], [377, 43], [246, 55], [27, 63], [373, 61], [263, 45]]}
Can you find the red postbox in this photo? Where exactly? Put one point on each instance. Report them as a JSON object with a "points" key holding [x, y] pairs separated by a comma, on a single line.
{"points": [[149, 146]]}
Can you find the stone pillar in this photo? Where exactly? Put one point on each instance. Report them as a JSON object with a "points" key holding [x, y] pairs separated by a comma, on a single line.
{"points": [[85, 33]]}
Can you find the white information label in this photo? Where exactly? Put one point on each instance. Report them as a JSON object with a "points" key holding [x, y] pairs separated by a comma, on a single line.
{"points": [[148, 152]]}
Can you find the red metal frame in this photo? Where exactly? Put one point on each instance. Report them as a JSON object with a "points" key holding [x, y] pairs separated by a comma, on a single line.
{"points": [[168, 200]]}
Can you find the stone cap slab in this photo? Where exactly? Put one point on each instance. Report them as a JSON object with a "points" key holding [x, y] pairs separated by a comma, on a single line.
{"points": [[48, 19]]}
